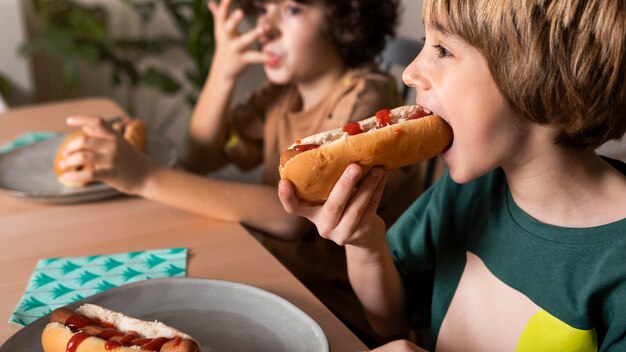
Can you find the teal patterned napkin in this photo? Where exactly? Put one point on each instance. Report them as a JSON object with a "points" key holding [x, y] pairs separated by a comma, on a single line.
{"points": [[57, 282], [26, 139]]}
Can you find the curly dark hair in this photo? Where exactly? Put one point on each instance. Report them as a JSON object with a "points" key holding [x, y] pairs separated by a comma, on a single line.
{"points": [[358, 28]]}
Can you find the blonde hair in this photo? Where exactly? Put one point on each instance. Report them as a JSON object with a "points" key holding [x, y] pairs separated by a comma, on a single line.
{"points": [[557, 62]]}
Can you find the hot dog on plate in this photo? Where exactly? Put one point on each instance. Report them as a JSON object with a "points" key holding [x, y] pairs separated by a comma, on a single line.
{"points": [[95, 329], [391, 139], [134, 131]]}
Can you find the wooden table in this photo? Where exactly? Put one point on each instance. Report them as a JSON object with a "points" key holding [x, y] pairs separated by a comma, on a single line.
{"points": [[30, 231]]}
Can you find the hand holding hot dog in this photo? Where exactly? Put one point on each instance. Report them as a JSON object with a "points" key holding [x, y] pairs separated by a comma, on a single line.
{"points": [[101, 153], [347, 217]]}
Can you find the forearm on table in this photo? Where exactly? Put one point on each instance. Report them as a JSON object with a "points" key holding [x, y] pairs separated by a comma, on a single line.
{"points": [[208, 125], [257, 206], [379, 287]]}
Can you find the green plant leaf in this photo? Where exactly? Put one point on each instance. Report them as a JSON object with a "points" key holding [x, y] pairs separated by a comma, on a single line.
{"points": [[160, 80], [5, 86]]}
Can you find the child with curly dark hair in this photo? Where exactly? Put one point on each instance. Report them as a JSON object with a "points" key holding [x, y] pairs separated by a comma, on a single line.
{"points": [[319, 59]]}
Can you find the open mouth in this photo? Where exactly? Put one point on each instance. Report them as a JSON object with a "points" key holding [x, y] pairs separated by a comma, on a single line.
{"points": [[430, 112]]}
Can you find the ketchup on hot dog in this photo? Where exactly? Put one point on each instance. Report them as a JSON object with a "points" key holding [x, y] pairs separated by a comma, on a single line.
{"points": [[85, 327]]}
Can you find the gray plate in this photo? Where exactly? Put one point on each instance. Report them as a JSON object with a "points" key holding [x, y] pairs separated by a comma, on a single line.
{"points": [[27, 172], [221, 315]]}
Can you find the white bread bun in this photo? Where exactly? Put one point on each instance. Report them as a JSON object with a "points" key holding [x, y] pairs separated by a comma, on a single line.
{"points": [[404, 142], [134, 131], [56, 335]]}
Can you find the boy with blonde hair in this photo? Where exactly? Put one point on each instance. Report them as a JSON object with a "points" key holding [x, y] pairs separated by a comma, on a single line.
{"points": [[521, 245]]}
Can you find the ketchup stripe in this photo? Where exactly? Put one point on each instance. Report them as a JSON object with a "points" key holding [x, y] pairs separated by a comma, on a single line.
{"points": [[113, 337]]}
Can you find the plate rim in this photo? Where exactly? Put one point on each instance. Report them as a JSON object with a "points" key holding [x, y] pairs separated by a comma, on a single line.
{"points": [[101, 190], [168, 280]]}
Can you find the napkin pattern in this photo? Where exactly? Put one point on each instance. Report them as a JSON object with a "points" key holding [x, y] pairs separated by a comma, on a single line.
{"points": [[57, 282], [26, 139]]}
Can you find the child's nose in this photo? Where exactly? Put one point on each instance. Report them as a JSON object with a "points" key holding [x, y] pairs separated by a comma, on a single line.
{"points": [[269, 33], [413, 75], [268, 23]]}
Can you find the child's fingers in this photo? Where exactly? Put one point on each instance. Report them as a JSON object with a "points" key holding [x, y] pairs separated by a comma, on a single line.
{"points": [[89, 174], [92, 125], [333, 209], [372, 205], [233, 21], [254, 57], [294, 205], [213, 7], [247, 39], [222, 10], [364, 201], [84, 157], [85, 176], [87, 143], [287, 196]]}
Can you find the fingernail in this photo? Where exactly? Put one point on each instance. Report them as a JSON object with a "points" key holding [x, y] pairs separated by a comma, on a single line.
{"points": [[353, 172]]}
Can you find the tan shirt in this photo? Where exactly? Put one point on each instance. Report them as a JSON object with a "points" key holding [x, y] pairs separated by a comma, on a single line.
{"points": [[269, 122]]}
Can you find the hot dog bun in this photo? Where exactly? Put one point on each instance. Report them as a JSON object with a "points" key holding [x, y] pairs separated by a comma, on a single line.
{"points": [[134, 132], [407, 140], [57, 334]]}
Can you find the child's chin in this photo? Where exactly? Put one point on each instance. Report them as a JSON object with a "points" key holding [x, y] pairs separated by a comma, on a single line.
{"points": [[277, 77]]}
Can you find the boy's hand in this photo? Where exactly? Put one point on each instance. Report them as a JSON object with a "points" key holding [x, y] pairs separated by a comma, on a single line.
{"points": [[348, 216], [112, 159], [232, 52]]}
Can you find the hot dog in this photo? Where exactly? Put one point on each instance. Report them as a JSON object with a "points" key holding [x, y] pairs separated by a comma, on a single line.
{"points": [[95, 329], [391, 139], [134, 131]]}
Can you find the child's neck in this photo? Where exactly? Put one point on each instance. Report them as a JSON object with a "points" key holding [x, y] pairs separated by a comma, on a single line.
{"points": [[313, 91], [569, 188]]}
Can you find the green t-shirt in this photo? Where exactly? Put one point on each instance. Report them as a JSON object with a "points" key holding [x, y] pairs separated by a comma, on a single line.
{"points": [[485, 276]]}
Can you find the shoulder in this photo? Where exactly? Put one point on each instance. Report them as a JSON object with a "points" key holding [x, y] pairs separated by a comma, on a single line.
{"points": [[369, 80], [364, 91], [451, 201]]}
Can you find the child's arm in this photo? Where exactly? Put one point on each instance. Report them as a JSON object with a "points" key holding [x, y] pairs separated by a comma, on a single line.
{"points": [[349, 218], [208, 126], [123, 167]]}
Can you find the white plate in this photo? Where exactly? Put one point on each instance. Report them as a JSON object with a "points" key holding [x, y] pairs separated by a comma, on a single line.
{"points": [[221, 315], [27, 172]]}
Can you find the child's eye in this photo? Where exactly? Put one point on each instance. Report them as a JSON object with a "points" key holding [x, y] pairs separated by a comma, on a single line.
{"points": [[441, 51], [293, 9]]}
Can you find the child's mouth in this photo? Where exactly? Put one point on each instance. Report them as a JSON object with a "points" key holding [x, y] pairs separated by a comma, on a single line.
{"points": [[273, 61], [430, 112]]}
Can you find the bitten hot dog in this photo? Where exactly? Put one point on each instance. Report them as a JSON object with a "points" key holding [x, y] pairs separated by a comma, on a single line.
{"points": [[134, 131], [391, 139], [95, 329]]}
